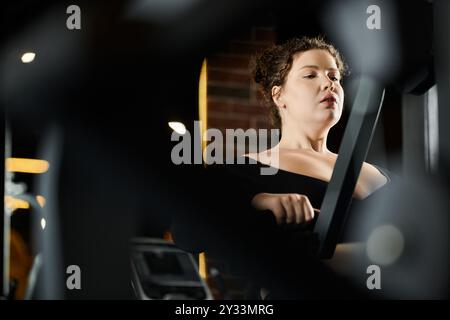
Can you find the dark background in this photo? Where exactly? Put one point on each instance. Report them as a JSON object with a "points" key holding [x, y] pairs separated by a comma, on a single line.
{"points": [[112, 87]]}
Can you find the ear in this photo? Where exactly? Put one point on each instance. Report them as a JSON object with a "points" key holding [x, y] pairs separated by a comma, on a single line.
{"points": [[277, 96]]}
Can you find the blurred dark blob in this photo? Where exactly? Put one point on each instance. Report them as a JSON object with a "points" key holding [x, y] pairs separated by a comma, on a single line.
{"points": [[112, 87]]}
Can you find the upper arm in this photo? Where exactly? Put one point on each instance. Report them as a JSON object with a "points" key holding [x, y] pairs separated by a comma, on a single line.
{"points": [[372, 177]]}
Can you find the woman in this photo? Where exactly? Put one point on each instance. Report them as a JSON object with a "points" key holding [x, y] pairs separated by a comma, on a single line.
{"points": [[242, 210], [301, 81]]}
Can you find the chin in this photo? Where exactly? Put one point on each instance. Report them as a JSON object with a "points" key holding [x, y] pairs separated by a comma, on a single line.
{"points": [[330, 121]]}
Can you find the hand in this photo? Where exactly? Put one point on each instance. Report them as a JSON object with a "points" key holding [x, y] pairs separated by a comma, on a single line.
{"points": [[288, 208]]}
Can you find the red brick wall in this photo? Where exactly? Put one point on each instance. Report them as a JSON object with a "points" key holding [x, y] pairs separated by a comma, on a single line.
{"points": [[233, 102], [232, 95]]}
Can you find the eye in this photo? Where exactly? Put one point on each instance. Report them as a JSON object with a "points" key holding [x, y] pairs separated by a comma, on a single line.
{"points": [[310, 76], [334, 78]]}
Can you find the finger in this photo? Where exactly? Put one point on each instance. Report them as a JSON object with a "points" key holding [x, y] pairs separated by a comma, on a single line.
{"points": [[306, 209], [299, 216], [280, 214], [316, 212], [309, 210], [289, 208], [306, 215]]}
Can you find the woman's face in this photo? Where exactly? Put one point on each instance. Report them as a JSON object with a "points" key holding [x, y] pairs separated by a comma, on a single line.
{"points": [[312, 94]]}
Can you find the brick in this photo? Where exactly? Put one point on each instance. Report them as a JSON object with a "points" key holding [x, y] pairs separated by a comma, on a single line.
{"points": [[227, 100], [261, 122], [229, 61], [255, 96], [228, 91], [220, 106], [222, 124], [218, 115], [245, 47], [233, 98], [236, 107], [236, 117], [226, 76], [260, 97]]}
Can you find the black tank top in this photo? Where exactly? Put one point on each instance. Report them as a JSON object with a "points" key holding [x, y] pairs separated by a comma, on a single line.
{"points": [[245, 180], [249, 175], [228, 228]]}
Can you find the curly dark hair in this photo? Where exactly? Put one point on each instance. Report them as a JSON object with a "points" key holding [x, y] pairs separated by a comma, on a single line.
{"points": [[271, 67]]}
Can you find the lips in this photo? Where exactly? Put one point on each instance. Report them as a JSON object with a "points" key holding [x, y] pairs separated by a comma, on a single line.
{"points": [[329, 98]]}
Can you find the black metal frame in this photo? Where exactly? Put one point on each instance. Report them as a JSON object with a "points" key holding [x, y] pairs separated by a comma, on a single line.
{"points": [[352, 153], [4, 221], [442, 66]]}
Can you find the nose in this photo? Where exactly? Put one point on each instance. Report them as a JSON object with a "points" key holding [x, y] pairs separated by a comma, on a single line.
{"points": [[327, 84]]}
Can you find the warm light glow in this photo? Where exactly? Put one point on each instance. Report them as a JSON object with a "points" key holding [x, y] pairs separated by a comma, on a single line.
{"points": [[203, 101], [43, 223], [178, 127], [202, 265], [168, 236], [40, 200], [28, 57], [203, 117], [26, 165], [14, 203]]}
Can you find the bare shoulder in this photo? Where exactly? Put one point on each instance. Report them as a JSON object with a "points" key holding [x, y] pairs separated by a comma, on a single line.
{"points": [[252, 155], [372, 169], [265, 156]]}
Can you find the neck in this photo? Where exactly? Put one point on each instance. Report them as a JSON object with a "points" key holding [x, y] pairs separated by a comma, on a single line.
{"points": [[312, 140]]}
